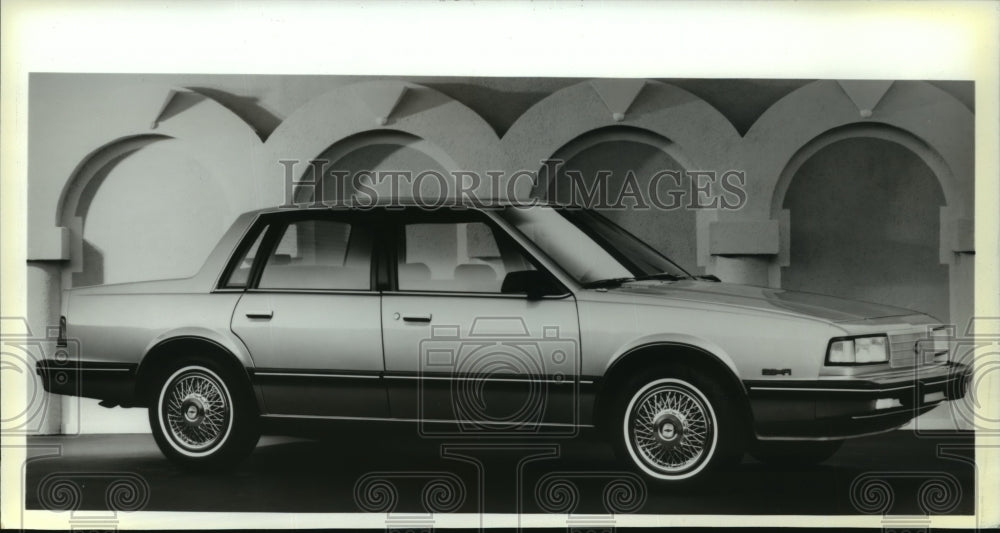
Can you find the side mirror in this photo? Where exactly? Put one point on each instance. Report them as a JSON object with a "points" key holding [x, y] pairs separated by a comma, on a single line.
{"points": [[533, 283]]}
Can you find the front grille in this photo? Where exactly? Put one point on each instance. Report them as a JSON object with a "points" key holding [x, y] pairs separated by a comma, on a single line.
{"points": [[901, 349]]}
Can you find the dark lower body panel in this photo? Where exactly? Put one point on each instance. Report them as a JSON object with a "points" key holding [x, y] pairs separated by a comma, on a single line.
{"points": [[839, 409], [114, 383], [312, 401]]}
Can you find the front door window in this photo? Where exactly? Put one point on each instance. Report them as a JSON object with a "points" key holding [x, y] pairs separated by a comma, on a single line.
{"points": [[456, 256]]}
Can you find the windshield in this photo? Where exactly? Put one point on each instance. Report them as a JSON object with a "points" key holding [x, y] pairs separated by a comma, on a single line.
{"points": [[589, 247]]}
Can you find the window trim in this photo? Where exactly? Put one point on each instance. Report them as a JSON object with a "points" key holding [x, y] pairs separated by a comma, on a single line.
{"points": [[276, 230], [396, 239], [247, 240]]}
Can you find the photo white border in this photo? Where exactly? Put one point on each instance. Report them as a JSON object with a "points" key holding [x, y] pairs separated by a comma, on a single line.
{"points": [[802, 40]]}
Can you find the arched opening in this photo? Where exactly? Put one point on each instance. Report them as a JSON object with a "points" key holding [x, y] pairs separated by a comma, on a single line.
{"points": [[142, 210], [864, 224], [381, 153], [645, 190]]}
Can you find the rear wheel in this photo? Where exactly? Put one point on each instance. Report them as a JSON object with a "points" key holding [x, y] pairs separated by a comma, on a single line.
{"points": [[677, 426], [795, 453], [203, 416]]}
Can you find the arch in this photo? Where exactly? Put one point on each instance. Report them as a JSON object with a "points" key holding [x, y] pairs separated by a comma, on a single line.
{"points": [[924, 118], [622, 166], [606, 134], [74, 199], [884, 246], [125, 176], [875, 130], [454, 135], [621, 132], [931, 122], [77, 195], [336, 152], [210, 132], [613, 133], [697, 128], [706, 139]]}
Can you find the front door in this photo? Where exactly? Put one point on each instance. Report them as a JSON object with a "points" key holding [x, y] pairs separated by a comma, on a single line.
{"points": [[459, 347], [312, 321]]}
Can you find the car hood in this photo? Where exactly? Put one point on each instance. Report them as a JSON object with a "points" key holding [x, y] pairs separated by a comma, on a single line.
{"points": [[765, 299]]}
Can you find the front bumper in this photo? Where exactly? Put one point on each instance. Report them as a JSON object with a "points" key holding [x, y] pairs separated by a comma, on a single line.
{"points": [[845, 407]]}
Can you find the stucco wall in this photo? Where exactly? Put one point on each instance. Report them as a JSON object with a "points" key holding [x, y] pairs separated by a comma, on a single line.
{"points": [[134, 177], [864, 225]]}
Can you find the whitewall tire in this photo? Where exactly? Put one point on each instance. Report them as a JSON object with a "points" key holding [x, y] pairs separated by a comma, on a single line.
{"points": [[676, 427], [202, 416]]}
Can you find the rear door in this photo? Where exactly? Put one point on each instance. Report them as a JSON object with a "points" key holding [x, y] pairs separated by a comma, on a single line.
{"points": [[311, 318]]}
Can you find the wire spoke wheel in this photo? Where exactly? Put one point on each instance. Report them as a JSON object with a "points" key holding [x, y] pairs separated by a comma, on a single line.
{"points": [[195, 410], [671, 429]]}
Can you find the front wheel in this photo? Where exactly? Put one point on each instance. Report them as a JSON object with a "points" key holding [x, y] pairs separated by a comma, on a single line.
{"points": [[676, 428], [200, 417]]}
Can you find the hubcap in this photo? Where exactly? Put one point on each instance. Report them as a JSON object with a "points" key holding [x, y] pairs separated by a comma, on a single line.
{"points": [[671, 428], [196, 409]]}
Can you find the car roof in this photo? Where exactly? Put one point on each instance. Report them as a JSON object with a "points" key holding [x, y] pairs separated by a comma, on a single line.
{"points": [[408, 202]]}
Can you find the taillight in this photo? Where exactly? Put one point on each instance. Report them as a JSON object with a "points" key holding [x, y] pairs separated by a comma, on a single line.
{"points": [[61, 341]]}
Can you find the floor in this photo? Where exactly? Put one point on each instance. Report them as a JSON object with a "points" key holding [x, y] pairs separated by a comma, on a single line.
{"points": [[898, 473]]}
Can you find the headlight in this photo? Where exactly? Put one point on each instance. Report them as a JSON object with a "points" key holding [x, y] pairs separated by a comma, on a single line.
{"points": [[870, 349]]}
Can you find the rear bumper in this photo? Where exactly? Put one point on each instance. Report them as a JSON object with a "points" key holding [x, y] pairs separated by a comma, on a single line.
{"points": [[840, 408], [113, 382]]}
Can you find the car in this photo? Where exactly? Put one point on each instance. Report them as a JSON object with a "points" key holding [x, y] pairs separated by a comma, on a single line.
{"points": [[506, 321]]}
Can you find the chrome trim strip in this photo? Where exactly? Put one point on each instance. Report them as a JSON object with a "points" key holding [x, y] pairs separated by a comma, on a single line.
{"points": [[515, 380], [897, 410], [433, 421], [838, 437], [814, 389], [345, 292], [440, 378], [83, 369], [308, 375], [869, 391], [470, 294]]}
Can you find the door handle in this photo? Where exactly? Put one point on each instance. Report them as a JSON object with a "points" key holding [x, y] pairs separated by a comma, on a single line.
{"points": [[260, 316], [420, 319]]}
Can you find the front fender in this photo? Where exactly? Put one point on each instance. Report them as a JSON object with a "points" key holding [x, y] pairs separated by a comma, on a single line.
{"points": [[710, 348]]}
